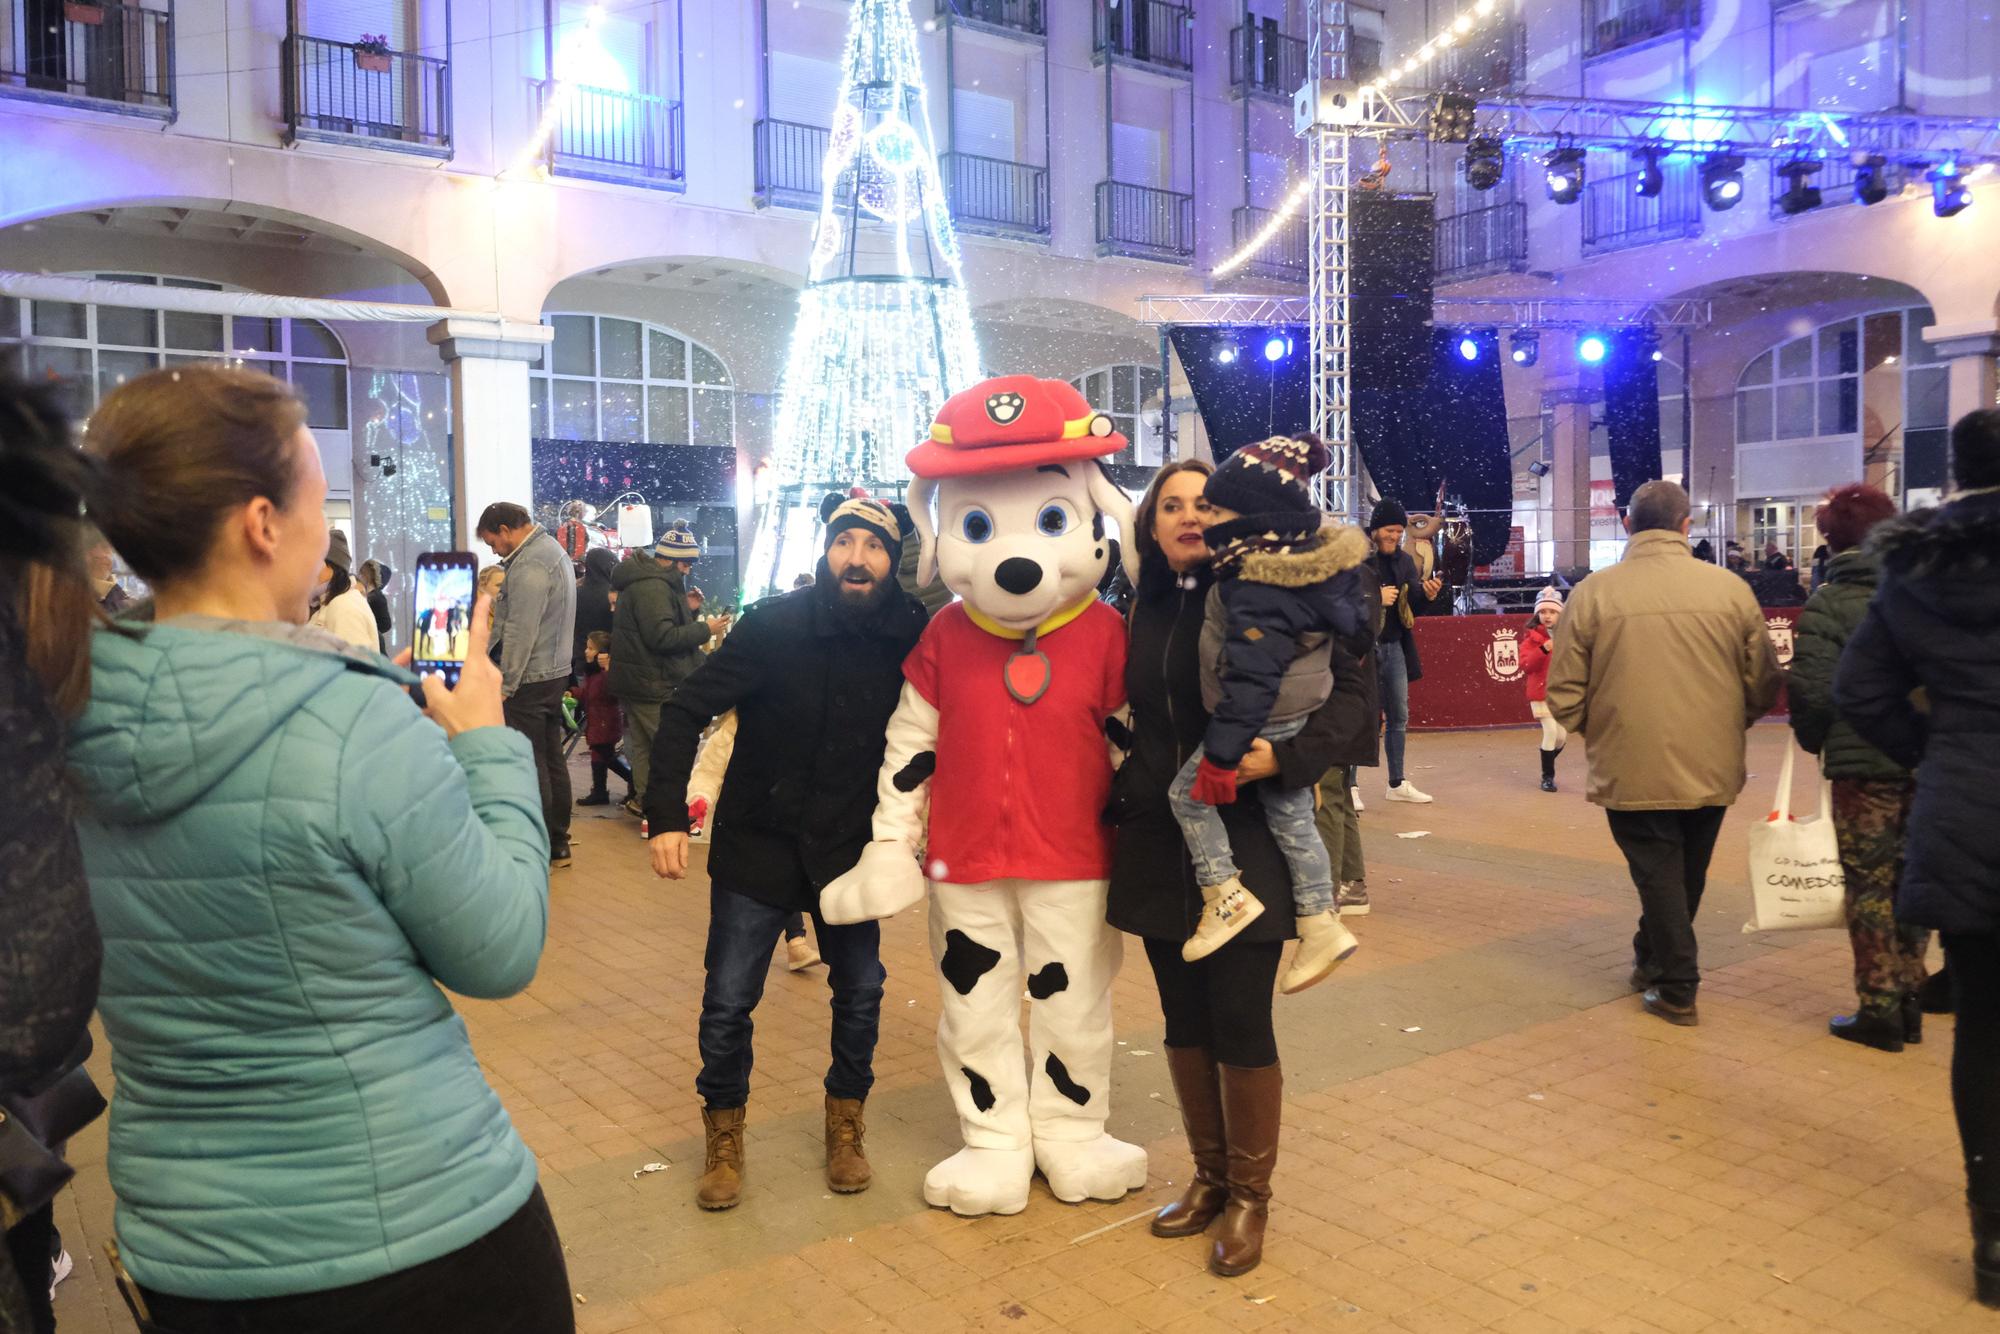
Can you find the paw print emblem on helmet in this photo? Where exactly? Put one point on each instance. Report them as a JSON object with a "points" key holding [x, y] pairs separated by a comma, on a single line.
{"points": [[1002, 409]]}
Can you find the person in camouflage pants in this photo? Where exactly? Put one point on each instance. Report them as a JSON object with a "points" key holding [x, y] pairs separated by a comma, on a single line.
{"points": [[1869, 818]]}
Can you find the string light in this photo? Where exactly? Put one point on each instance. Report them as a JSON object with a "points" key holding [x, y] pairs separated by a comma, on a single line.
{"points": [[555, 109], [1280, 215]]}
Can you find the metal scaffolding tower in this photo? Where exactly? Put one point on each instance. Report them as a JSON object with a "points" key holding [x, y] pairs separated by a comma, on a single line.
{"points": [[1328, 148]]}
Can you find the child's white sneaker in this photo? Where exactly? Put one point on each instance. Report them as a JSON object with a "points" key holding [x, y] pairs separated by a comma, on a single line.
{"points": [[1226, 909], [1324, 944]]}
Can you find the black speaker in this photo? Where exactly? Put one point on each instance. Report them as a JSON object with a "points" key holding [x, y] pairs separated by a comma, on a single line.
{"points": [[1391, 258]]}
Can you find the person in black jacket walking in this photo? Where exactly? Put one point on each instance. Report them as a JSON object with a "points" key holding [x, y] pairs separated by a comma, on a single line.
{"points": [[1935, 623], [1396, 661], [813, 675], [1222, 1053], [1354, 717]]}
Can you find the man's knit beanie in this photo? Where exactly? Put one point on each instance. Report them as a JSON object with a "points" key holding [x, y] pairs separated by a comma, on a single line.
{"points": [[887, 521], [1388, 512], [677, 543], [1269, 483]]}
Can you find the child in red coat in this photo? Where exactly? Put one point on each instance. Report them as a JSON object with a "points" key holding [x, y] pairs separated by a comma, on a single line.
{"points": [[1535, 665], [602, 722]]}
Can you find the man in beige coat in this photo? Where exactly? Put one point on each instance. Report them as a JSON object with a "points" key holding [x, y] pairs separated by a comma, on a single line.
{"points": [[1660, 664]]}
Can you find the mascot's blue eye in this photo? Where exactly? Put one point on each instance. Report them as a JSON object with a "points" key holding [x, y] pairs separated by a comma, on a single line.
{"points": [[1053, 521], [977, 525]]}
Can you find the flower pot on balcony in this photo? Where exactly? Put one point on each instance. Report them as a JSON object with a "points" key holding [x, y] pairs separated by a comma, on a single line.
{"points": [[375, 62], [80, 11]]}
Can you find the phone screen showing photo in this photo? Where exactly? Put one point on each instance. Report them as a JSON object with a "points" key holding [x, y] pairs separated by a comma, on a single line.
{"points": [[442, 613]]}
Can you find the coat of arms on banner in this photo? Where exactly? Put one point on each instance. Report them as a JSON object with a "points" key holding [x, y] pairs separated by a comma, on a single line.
{"points": [[1503, 656], [1780, 630]]}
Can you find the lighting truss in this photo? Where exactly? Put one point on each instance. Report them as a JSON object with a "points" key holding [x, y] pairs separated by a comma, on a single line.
{"points": [[1239, 309]]}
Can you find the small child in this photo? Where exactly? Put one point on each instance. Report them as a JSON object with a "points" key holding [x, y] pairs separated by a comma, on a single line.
{"points": [[1535, 666], [602, 724], [1283, 588]]}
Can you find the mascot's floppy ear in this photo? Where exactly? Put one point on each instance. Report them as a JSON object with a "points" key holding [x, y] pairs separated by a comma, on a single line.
{"points": [[1104, 494], [833, 501], [902, 514], [922, 491]]}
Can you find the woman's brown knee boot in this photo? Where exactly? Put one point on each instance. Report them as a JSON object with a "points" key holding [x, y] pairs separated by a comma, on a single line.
{"points": [[1199, 1092], [1252, 1101]]}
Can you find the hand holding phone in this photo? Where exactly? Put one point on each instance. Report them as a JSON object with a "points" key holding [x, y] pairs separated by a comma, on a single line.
{"points": [[441, 613], [472, 700]]}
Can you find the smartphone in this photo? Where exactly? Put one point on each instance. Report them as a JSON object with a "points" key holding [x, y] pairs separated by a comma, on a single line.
{"points": [[441, 613]]}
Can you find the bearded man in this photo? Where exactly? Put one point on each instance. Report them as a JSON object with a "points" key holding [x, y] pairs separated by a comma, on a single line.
{"points": [[813, 675]]}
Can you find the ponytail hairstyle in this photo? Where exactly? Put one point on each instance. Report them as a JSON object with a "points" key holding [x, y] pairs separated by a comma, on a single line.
{"points": [[43, 482], [179, 449]]}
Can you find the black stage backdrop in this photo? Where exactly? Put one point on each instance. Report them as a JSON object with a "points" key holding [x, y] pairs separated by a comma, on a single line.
{"points": [[1632, 412], [1248, 398], [1464, 426]]}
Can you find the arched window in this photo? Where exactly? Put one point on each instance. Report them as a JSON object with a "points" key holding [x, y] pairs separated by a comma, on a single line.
{"points": [[1130, 395], [628, 381], [91, 350], [1859, 399]]}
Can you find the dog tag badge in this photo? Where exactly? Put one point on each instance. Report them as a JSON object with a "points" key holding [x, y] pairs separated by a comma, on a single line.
{"points": [[1027, 671]]}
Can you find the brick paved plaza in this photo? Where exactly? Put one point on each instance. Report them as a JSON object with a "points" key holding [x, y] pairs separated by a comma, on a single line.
{"points": [[1482, 1130]]}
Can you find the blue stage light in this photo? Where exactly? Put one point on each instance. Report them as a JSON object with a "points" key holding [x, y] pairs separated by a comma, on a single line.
{"points": [[1225, 354], [1275, 349], [1591, 348], [1468, 348]]}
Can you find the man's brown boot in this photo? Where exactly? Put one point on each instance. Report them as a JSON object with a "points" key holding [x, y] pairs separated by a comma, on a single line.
{"points": [[1197, 1088], [722, 1176], [1252, 1104], [846, 1159]]}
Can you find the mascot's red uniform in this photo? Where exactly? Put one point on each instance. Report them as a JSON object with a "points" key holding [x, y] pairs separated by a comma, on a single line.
{"points": [[996, 774]]}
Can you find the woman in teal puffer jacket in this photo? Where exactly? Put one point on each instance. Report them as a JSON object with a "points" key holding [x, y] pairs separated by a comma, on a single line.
{"points": [[288, 864], [1871, 792]]}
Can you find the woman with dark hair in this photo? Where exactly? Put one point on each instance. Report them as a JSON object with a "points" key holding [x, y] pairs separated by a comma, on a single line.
{"points": [[593, 600], [289, 866], [1221, 1051], [49, 963], [1871, 792], [373, 578], [341, 608], [1934, 624]]}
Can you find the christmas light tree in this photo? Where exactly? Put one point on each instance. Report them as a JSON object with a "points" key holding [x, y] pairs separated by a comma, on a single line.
{"points": [[884, 332]]}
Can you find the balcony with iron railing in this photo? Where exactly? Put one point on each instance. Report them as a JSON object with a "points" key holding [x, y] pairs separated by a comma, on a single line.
{"points": [[1617, 25], [791, 159], [997, 197], [90, 53], [1265, 62], [358, 93], [1616, 217], [1003, 16], [1142, 222], [1482, 241], [1146, 32], [1490, 61], [603, 135], [1285, 258]]}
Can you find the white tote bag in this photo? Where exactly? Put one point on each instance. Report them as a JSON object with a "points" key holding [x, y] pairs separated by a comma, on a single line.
{"points": [[1796, 883]]}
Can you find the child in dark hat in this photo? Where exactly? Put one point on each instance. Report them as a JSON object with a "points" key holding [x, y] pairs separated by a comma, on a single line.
{"points": [[1285, 585]]}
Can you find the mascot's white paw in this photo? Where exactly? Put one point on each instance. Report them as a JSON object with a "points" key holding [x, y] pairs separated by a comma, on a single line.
{"points": [[885, 881], [982, 1181], [1094, 1169]]}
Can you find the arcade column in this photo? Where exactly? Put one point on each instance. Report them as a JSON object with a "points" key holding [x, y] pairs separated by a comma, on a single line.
{"points": [[491, 460], [1568, 403], [1973, 351]]}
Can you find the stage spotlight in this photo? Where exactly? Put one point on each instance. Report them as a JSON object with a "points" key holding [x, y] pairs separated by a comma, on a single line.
{"points": [[1648, 178], [1950, 195], [1451, 117], [1564, 175], [1722, 180], [1485, 163], [1871, 179], [1468, 348], [1226, 354], [1592, 349], [1526, 349], [1799, 194], [1540, 468], [1276, 347]]}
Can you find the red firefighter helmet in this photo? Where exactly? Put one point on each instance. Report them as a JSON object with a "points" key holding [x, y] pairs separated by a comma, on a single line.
{"points": [[1015, 421]]}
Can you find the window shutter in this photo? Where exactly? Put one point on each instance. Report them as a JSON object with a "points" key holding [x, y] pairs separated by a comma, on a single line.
{"points": [[803, 90]]}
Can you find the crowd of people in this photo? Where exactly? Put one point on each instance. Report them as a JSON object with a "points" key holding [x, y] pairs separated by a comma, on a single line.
{"points": [[264, 851]]}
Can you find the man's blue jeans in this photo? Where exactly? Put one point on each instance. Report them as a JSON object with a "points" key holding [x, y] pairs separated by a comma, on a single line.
{"points": [[1288, 811], [742, 933], [1392, 673]]}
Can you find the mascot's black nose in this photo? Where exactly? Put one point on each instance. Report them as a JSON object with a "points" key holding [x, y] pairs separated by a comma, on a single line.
{"points": [[1017, 574]]}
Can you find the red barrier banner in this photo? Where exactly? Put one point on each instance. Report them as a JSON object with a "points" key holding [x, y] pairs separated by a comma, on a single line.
{"points": [[1473, 675]]}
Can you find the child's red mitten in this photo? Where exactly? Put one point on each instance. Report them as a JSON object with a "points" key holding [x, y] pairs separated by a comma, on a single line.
{"points": [[1213, 784], [697, 814]]}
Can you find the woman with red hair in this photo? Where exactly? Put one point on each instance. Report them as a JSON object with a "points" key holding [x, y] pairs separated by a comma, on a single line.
{"points": [[1871, 792]]}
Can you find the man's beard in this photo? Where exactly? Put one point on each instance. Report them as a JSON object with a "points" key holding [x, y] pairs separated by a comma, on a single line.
{"points": [[855, 602]]}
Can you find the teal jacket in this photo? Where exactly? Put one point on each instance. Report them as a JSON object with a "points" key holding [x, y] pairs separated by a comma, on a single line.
{"points": [[1830, 616], [287, 862]]}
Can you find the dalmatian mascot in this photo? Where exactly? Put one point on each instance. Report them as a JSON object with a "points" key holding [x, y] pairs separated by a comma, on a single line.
{"points": [[991, 789]]}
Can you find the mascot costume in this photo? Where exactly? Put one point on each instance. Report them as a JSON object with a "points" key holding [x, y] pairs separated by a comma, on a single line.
{"points": [[996, 774]]}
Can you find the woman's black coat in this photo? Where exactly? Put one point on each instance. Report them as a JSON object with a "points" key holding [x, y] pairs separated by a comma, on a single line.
{"points": [[1153, 890], [593, 599]]}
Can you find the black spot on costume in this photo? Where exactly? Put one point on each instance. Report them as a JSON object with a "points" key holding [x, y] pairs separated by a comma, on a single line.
{"points": [[1059, 1076], [965, 961], [1053, 978], [912, 775], [982, 1092]]}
